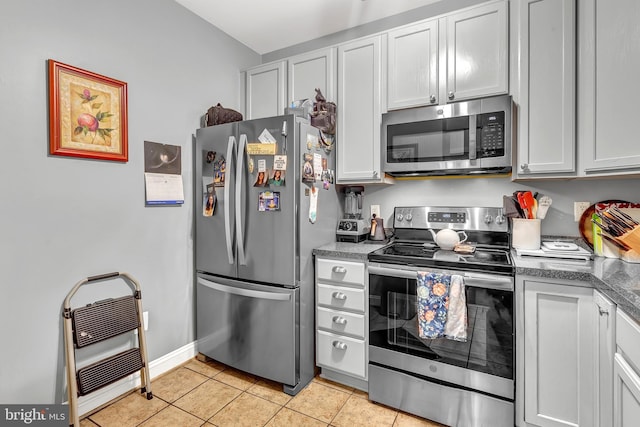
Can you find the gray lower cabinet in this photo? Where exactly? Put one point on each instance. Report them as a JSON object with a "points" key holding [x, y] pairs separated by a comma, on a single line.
{"points": [[555, 355], [626, 372], [605, 312], [341, 321]]}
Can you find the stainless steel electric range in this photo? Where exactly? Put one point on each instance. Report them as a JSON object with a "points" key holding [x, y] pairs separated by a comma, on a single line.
{"points": [[456, 383]]}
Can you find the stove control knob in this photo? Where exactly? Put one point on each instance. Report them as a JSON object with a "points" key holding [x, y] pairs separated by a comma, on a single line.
{"points": [[500, 219], [399, 217], [488, 219], [408, 217]]}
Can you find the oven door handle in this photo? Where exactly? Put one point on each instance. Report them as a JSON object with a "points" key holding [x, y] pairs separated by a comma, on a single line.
{"points": [[487, 281], [383, 271], [477, 280]]}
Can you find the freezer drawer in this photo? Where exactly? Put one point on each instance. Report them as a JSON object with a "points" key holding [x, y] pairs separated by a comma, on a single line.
{"points": [[249, 327]]}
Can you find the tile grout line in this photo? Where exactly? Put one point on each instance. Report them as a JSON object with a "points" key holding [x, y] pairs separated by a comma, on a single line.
{"points": [[147, 419], [341, 407]]}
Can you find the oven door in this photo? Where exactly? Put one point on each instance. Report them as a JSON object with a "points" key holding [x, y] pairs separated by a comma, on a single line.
{"points": [[485, 362]]}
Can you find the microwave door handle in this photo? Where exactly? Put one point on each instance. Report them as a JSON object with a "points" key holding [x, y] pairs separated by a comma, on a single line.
{"points": [[472, 137], [239, 192], [227, 206]]}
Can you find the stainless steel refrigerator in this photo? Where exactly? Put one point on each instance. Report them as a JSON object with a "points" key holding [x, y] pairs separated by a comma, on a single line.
{"points": [[253, 253]]}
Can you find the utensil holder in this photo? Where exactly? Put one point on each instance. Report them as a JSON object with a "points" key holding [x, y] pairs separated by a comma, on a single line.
{"points": [[525, 233], [632, 238]]}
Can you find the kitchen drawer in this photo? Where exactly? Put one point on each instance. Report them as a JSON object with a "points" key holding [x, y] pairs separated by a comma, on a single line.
{"points": [[341, 353], [340, 271], [628, 338], [340, 297], [341, 322]]}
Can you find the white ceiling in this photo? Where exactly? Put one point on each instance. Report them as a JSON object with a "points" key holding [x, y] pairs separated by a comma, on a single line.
{"points": [[268, 25]]}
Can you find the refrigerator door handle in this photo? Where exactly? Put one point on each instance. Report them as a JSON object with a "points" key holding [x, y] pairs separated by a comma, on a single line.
{"points": [[239, 191], [227, 209], [276, 296]]}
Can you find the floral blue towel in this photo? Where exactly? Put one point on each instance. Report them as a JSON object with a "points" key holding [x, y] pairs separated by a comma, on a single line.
{"points": [[433, 303]]}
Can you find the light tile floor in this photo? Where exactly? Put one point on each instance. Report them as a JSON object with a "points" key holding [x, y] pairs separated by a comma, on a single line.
{"points": [[210, 394]]}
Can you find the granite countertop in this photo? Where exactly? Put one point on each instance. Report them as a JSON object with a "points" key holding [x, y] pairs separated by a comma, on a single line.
{"points": [[356, 251], [617, 279]]}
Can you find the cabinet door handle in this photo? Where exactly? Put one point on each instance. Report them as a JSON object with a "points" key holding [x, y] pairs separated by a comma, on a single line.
{"points": [[339, 295], [339, 269], [603, 312], [432, 99], [524, 166], [451, 96], [339, 320], [339, 345]]}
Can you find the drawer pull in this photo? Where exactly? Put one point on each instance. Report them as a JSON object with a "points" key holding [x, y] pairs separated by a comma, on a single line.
{"points": [[339, 320], [339, 269], [339, 295], [339, 345]]}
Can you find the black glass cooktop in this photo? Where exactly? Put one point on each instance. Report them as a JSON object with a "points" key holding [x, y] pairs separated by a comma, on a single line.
{"points": [[419, 255]]}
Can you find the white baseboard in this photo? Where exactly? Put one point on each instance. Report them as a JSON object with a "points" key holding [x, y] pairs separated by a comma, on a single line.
{"points": [[157, 367]]}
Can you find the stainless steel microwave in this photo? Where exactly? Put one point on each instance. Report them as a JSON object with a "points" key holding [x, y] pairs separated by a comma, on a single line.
{"points": [[462, 138]]}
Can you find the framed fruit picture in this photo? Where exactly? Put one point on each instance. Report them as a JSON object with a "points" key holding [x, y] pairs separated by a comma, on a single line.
{"points": [[87, 114]]}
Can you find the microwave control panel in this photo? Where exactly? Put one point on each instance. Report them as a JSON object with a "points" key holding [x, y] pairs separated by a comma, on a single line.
{"points": [[490, 134]]}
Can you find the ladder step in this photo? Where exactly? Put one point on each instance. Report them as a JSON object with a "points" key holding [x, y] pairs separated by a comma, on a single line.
{"points": [[105, 319], [109, 370]]}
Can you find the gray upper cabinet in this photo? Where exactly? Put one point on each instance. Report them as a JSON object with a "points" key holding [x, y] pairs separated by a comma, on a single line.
{"points": [[477, 55], [265, 90], [544, 46], [459, 56], [608, 87], [359, 111], [413, 65], [309, 71]]}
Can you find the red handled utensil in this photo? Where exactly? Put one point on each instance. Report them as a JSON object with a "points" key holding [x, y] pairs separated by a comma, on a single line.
{"points": [[526, 201]]}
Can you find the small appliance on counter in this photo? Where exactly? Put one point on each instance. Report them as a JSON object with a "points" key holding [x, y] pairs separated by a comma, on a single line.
{"points": [[352, 227], [377, 234]]}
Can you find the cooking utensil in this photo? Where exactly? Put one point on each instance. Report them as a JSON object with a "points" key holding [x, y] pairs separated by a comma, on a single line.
{"points": [[625, 215], [377, 229], [585, 226], [464, 248], [617, 243], [621, 218], [543, 206], [525, 199]]}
